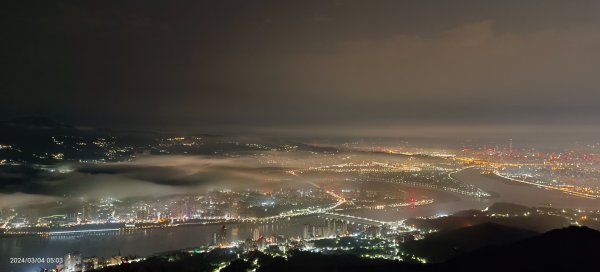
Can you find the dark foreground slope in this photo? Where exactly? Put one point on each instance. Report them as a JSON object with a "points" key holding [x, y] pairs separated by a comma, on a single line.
{"points": [[557, 250], [260, 262], [444, 245], [568, 249]]}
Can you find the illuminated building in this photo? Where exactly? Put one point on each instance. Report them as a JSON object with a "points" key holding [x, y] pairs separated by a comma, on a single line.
{"points": [[305, 233], [90, 264], [72, 262], [220, 238]]}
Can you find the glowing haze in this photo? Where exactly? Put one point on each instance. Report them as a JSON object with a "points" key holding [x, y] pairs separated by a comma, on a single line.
{"points": [[270, 64]]}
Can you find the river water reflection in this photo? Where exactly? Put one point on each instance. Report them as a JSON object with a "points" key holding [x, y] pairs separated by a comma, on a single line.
{"points": [[138, 243]]}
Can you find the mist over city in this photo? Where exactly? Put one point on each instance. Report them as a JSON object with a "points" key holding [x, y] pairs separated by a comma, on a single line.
{"points": [[299, 135]]}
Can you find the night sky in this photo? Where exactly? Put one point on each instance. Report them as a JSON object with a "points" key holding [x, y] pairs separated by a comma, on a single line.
{"points": [[280, 64]]}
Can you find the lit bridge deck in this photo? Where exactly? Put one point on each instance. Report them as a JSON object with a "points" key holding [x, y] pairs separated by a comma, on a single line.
{"points": [[354, 219]]}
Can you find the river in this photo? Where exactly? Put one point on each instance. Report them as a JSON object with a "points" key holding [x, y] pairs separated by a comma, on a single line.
{"points": [[138, 243]]}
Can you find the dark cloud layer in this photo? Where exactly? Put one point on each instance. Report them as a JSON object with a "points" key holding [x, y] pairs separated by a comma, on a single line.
{"points": [[299, 63]]}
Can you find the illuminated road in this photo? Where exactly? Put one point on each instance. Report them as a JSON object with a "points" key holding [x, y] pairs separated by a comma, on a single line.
{"points": [[308, 211], [340, 200], [566, 191], [524, 193], [67, 232]]}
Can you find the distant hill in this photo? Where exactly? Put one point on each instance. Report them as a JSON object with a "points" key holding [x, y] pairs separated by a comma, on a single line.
{"points": [[538, 222], [443, 245], [30, 130], [35, 122], [509, 208]]}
